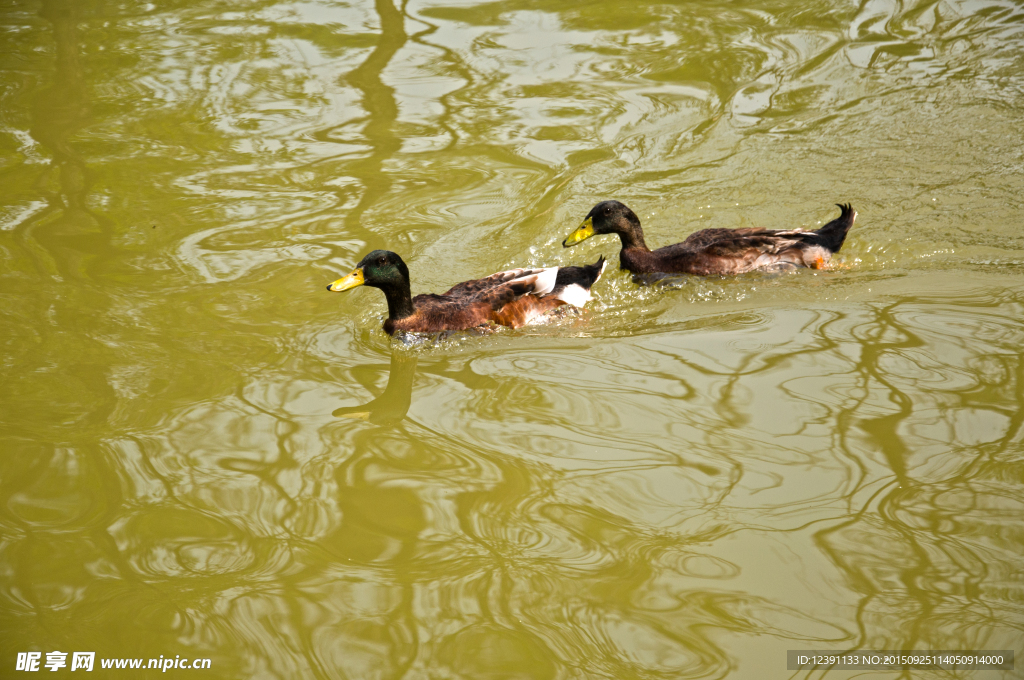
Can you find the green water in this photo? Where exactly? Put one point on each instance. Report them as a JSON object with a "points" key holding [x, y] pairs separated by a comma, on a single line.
{"points": [[206, 454]]}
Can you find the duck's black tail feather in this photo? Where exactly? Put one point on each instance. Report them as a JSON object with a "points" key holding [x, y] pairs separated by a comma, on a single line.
{"points": [[834, 233], [585, 276]]}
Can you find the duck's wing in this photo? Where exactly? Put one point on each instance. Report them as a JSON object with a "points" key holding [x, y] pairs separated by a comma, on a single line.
{"points": [[726, 242], [557, 286], [762, 241], [734, 251], [508, 298], [494, 281], [511, 298], [699, 240], [772, 241]]}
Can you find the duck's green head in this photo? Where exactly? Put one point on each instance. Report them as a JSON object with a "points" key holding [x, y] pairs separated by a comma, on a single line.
{"points": [[380, 269], [608, 217]]}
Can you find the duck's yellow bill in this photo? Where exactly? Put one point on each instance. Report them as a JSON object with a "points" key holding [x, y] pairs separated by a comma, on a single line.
{"points": [[351, 281], [585, 231]]}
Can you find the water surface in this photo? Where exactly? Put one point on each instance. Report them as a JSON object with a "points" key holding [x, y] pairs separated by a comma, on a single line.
{"points": [[208, 455]]}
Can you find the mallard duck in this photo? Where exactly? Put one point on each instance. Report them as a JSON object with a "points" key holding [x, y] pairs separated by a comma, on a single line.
{"points": [[513, 298], [715, 251]]}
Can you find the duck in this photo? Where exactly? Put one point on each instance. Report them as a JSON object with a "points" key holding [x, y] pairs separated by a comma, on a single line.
{"points": [[715, 251], [511, 298]]}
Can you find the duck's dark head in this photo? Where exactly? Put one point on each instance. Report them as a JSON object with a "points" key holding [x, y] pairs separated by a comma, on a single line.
{"points": [[380, 269], [385, 270], [609, 217]]}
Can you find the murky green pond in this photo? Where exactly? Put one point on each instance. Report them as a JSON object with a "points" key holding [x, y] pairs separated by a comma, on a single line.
{"points": [[205, 454]]}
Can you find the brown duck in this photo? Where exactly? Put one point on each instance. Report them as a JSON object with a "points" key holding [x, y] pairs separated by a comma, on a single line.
{"points": [[715, 251], [513, 298]]}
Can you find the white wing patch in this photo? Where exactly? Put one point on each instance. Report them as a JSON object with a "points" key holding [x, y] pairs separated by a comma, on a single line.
{"points": [[545, 282], [575, 295]]}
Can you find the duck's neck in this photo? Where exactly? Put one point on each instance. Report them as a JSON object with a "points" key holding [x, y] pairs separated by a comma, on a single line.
{"points": [[633, 239], [630, 232], [399, 297]]}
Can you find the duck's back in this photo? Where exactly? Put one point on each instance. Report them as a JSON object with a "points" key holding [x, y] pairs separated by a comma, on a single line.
{"points": [[473, 303], [733, 251], [510, 298]]}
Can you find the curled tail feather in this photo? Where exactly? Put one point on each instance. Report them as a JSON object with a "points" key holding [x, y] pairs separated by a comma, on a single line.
{"points": [[834, 233], [574, 283]]}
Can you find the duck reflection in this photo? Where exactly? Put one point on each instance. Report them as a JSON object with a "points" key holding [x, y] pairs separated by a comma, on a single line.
{"points": [[390, 407]]}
